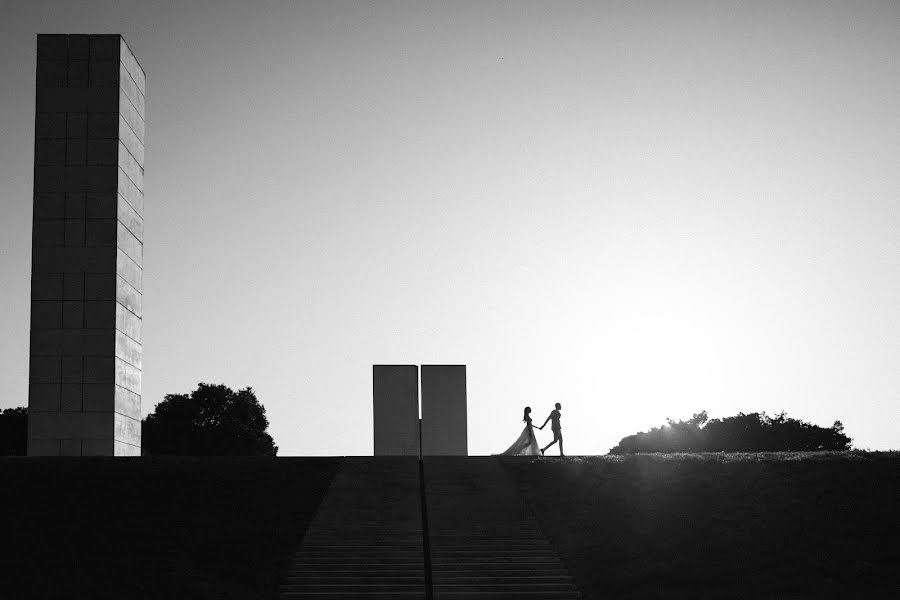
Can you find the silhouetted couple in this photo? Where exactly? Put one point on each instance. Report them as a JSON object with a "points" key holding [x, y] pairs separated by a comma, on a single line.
{"points": [[527, 445]]}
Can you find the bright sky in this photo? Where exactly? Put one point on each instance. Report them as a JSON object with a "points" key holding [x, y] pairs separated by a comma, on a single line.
{"points": [[640, 210]]}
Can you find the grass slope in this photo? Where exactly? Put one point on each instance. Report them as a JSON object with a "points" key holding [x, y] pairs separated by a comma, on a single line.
{"points": [[771, 525], [153, 527]]}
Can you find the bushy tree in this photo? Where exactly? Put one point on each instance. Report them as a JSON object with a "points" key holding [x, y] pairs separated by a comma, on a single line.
{"points": [[14, 431], [754, 432], [213, 420]]}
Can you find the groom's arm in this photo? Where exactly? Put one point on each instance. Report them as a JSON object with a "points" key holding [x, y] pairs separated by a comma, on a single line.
{"points": [[545, 422]]}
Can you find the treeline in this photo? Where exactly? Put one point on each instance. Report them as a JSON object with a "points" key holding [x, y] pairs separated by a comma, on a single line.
{"points": [[754, 432]]}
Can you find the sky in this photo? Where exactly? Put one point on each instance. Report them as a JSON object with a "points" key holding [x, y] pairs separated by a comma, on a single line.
{"points": [[641, 210]]}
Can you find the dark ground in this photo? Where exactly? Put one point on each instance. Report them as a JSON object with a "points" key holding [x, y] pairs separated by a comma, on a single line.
{"points": [[152, 527], [777, 525], [645, 526]]}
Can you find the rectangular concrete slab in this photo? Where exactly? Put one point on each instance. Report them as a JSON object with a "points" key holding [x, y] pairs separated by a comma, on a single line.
{"points": [[395, 394], [444, 411]]}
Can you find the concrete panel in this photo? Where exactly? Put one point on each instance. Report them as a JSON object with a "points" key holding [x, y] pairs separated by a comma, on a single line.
{"points": [[102, 151], [73, 315], [131, 142], [128, 297], [133, 118], [52, 74], [97, 426], [395, 391], [70, 447], [73, 260], [102, 99], [129, 270], [79, 73], [99, 286], [76, 175], [129, 323], [100, 314], [50, 205], [47, 233], [50, 125], [49, 179], [101, 206], [131, 167], [100, 232], [127, 430], [131, 89], [98, 448], [44, 426], [72, 369], [73, 286], [46, 314], [47, 286], [77, 125], [43, 447], [74, 233], [75, 206], [134, 68], [127, 403], [89, 342], [99, 369], [129, 244], [101, 179], [99, 397], [123, 449], [47, 342], [45, 369], [105, 45], [50, 151], [104, 72], [128, 376], [79, 47], [103, 125], [76, 156], [43, 397], [70, 400], [444, 413], [129, 191], [71, 100], [129, 219], [128, 350]]}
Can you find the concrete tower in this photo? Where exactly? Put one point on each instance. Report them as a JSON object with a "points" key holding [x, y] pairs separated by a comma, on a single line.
{"points": [[84, 395]]}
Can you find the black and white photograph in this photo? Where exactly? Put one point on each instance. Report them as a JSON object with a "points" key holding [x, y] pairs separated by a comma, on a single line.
{"points": [[449, 299]]}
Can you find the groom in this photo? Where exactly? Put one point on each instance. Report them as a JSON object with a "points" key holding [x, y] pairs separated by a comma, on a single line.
{"points": [[557, 430]]}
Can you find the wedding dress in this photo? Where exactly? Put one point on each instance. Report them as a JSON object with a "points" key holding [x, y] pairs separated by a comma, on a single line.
{"points": [[526, 444]]}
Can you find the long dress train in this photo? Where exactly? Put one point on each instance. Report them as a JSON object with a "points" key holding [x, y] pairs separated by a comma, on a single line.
{"points": [[526, 444]]}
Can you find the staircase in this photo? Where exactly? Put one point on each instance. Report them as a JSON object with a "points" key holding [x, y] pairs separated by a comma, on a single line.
{"points": [[484, 541], [366, 539]]}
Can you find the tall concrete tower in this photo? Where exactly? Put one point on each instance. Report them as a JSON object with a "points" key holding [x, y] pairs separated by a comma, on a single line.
{"points": [[84, 392]]}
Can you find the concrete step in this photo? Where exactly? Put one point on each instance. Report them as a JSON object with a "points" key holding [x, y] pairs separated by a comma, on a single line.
{"points": [[352, 588], [353, 577], [484, 595], [369, 595]]}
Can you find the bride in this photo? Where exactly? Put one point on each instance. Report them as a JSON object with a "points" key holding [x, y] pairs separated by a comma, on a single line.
{"points": [[526, 444]]}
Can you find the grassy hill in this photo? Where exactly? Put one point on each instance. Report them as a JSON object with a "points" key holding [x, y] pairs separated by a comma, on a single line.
{"points": [[644, 526], [152, 527], [771, 525]]}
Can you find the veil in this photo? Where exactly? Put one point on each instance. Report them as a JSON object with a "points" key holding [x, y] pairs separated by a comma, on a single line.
{"points": [[525, 445]]}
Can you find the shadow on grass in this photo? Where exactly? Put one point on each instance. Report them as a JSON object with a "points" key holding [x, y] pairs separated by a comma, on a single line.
{"points": [[153, 527]]}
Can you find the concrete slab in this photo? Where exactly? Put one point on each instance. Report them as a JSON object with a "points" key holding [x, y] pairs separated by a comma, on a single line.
{"points": [[444, 410]]}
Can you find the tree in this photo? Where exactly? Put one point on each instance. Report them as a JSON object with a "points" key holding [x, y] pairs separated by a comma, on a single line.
{"points": [[213, 420], [755, 432], [14, 431]]}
